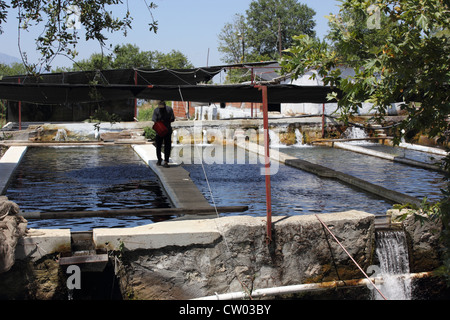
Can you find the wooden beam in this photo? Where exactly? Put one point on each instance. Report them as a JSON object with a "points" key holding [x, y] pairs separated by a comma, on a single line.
{"points": [[131, 212]]}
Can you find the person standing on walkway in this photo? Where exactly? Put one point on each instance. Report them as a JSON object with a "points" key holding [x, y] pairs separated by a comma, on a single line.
{"points": [[163, 117]]}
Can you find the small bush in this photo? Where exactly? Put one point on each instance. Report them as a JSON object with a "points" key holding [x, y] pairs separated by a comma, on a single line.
{"points": [[149, 133], [145, 112]]}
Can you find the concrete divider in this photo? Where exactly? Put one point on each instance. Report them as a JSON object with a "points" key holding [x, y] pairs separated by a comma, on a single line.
{"points": [[387, 156], [9, 163], [382, 192], [39, 243], [325, 172], [181, 190], [158, 235], [423, 148]]}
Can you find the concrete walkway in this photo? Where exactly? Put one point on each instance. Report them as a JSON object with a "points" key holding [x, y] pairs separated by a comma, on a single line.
{"points": [[9, 163], [175, 180]]}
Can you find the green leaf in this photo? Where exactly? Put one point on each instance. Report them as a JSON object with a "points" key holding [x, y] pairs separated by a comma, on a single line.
{"points": [[422, 22]]}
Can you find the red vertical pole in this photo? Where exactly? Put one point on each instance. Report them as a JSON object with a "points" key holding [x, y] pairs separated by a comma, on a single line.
{"points": [[188, 115], [135, 100], [252, 102], [323, 120], [267, 161], [20, 111]]}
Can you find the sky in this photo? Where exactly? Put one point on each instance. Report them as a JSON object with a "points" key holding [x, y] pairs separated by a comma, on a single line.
{"points": [[191, 27]]}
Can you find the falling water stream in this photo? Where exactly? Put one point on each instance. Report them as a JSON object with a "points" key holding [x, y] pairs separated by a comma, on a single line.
{"points": [[392, 252]]}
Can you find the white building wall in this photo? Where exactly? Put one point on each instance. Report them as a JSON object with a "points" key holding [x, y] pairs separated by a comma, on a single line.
{"points": [[310, 78], [291, 109]]}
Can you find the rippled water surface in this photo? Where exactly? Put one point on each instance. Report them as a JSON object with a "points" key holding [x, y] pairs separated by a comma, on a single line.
{"points": [[293, 191], [413, 181], [104, 178], [87, 178]]}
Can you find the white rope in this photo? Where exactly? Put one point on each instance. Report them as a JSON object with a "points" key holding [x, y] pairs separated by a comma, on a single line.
{"points": [[4, 216], [348, 254], [196, 146]]}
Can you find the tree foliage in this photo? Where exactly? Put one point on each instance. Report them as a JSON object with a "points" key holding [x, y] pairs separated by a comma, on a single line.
{"points": [[129, 56], [256, 36], [273, 21], [400, 53], [11, 70], [409, 63], [56, 37]]}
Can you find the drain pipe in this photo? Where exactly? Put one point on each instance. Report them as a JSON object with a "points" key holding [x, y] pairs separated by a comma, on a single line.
{"points": [[284, 290], [287, 290]]}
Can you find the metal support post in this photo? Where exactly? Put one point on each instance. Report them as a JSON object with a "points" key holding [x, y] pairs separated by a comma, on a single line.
{"points": [[267, 161]]}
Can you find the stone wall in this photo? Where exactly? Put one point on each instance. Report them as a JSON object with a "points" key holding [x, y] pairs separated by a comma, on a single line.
{"points": [[193, 258], [239, 259], [423, 237]]}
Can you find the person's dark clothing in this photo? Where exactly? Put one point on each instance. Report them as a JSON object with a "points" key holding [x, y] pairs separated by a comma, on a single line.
{"points": [[167, 116]]}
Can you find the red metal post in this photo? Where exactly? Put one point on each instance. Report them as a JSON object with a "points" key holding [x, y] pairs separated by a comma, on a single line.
{"points": [[267, 160], [323, 120], [20, 111], [252, 84]]}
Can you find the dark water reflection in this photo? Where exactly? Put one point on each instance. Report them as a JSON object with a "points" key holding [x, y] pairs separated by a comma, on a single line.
{"points": [[293, 191], [87, 178], [103, 178], [297, 192]]}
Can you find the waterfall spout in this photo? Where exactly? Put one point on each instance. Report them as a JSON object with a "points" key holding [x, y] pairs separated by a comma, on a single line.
{"points": [[299, 139], [392, 252], [356, 133], [61, 135]]}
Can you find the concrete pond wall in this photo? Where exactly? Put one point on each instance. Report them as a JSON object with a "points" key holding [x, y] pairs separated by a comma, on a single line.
{"points": [[196, 257], [189, 258], [231, 254]]}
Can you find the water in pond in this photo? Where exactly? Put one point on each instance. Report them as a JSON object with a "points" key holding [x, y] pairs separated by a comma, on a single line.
{"points": [[416, 182], [293, 191], [85, 178]]}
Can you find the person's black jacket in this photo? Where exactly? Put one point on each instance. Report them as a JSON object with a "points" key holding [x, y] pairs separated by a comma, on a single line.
{"points": [[165, 115]]}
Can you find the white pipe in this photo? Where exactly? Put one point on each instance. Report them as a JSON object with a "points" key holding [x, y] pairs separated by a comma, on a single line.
{"points": [[284, 290], [281, 290]]}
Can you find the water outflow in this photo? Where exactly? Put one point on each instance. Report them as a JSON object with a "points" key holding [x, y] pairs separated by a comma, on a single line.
{"points": [[61, 135], [356, 133], [392, 252]]}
